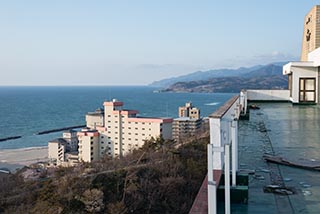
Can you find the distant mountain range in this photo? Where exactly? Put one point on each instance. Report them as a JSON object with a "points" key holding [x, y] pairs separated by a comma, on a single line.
{"points": [[227, 80]]}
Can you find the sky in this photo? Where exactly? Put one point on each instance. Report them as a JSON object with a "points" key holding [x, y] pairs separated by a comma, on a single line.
{"points": [[135, 42]]}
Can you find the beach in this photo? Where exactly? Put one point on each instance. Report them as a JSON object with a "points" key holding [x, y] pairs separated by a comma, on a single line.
{"points": [[13, 159]]}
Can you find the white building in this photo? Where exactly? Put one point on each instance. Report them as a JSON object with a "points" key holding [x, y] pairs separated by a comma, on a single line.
{"points": [[56, 150], [112, 131], [94, 119], [60, 148], [126, 131], [71, 138], [88, 145]]}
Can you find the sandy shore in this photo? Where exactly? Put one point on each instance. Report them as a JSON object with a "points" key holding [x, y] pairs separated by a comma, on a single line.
{"points": [[17, 158]]}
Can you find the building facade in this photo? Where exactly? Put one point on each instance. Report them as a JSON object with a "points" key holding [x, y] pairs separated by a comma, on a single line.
{"points": [[188, 124], [125, 131], [311, 32], [57, 149], [189, 111]]}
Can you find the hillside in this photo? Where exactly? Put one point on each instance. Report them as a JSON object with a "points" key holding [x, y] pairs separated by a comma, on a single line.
{"points": [[158, 178], [205, 75], [266, 77]]}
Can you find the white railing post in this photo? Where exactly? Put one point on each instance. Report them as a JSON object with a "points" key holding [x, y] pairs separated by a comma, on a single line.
{"points": [[212, 201], [227, 178], [234, 147], [212, 184]]}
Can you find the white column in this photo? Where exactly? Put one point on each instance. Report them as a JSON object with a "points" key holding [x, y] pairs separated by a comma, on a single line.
{"points": [[227, 178], [234, 147], [215, 140], [212, 196]]}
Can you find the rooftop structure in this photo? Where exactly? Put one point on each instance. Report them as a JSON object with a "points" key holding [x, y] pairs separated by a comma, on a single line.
{"points": [[303, 76], [94, 119]]}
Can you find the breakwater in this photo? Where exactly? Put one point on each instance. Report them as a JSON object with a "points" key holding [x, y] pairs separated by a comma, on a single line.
{"points": [[60, 129], [10, 138], [44, 132]]}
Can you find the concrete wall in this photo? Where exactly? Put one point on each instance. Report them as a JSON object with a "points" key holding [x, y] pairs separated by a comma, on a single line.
{"points": [[268, 95], [220, 129]]}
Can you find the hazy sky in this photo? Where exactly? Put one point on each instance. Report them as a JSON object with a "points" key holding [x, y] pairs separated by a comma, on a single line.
{"points": [[92, 42]]}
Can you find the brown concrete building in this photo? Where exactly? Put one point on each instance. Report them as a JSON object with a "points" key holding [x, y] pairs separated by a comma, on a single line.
{"points": [[311, 32]]}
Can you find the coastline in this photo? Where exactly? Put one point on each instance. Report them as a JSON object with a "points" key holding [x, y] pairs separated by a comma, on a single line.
{"points": [[13, 159]]}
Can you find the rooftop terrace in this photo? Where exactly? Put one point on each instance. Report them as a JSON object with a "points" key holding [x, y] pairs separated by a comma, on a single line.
{"points": [[289, 131], [277, 129]]}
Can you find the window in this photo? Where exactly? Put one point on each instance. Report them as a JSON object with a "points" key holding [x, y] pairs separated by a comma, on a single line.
{"points": [[102, 147], [102, 142], [91, 142], [307, 90], [91, 148], [109, 115], [102, 137], [91, 153]]}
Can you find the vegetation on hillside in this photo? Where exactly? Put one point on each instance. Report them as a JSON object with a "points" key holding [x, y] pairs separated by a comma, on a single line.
{"points": [[161, 177]]}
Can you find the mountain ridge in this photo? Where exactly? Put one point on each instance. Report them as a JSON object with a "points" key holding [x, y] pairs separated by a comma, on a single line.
{"points": [[213, 73]]}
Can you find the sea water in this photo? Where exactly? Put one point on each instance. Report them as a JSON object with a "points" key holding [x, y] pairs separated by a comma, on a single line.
{"points": [[25, 111]]}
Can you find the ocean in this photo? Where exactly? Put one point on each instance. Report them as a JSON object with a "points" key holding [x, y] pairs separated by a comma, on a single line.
{"points": [[25, 111]]}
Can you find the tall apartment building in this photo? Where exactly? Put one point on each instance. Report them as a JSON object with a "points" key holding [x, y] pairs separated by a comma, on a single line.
{"points": [[188, 124], [121, 132], [111, 131], [126, 131], [311, 32], [189, 111]]}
